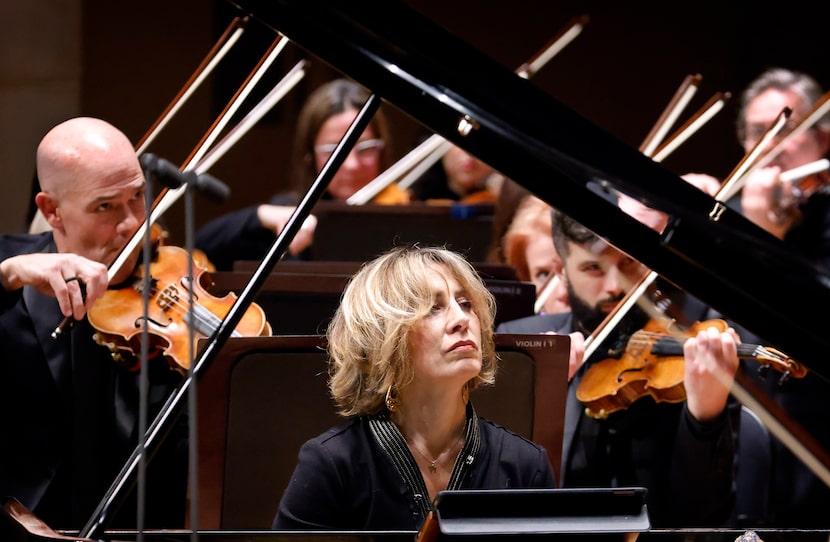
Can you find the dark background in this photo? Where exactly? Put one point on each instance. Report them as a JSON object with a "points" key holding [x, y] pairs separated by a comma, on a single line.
{"points": [[620, 73]]}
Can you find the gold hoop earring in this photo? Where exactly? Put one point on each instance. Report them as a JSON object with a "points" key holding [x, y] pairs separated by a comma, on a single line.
{"points": [[392, 400], [465, 393]]}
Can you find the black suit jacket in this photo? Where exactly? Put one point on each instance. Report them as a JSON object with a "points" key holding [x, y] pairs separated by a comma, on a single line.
{"points": [[238, 236], [345, 480], [71, 415], [687, 467]]}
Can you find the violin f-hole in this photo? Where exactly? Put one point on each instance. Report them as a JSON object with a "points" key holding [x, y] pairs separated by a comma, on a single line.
{"points": [[140, 319], [186, 284], [629, 370]]}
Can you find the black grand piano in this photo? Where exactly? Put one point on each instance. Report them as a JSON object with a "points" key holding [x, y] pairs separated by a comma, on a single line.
{"points": [[706, 250], [565, 160]]}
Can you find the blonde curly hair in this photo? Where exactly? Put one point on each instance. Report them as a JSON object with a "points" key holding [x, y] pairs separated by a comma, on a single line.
{"points": [[368, 337]]}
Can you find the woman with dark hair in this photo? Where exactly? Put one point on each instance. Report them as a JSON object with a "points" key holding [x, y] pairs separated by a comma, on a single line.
{"points": [[327, 114]]}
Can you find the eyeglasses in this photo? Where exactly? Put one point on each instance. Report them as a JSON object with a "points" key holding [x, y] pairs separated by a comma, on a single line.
{"points": [[368, 148], [754, 132]]}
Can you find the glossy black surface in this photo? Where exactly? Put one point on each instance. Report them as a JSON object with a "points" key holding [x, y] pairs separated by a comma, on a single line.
{"points": [[679, 535], [565, 160]]}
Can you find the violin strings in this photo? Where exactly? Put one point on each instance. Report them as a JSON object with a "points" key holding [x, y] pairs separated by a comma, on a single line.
{"points": [[201, 314], [643, 338]]}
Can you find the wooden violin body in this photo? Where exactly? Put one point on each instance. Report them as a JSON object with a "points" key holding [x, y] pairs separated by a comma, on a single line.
{"points": [[485, 195], [653, 365], [798, 193], [613, 384], [392, 195], [118, 317]]}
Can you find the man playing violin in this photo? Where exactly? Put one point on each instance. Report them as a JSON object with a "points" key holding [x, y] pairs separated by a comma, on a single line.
{"points": [[797, 495], [764, 198], [682, 452], [71, 413]]}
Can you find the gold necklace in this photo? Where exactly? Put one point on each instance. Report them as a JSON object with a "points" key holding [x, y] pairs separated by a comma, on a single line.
{"points": [[433, 462]]}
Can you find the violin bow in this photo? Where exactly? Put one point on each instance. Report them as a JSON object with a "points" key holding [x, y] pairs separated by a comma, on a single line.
{"points": [[168, 196], [209, 159], [172, 408], [163, 202], [731, 184], [799, 172], [552, 48], [774, 417], [703, 115], [545, 292], [670, 114], [252, 117], [682, 96], [816, 112], [745, 390], [715, 104], [422, 157], [224, 44], [614, 317], [800, 188]]}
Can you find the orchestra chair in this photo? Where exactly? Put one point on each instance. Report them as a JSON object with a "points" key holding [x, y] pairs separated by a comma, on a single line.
{"points": [[300, 297], [261, 398], [753, 485]]}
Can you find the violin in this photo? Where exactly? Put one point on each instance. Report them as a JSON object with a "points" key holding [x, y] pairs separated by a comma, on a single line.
{"points": [[393, 195], [484, 195], [798, 185], [118, 316], [653, 365]]}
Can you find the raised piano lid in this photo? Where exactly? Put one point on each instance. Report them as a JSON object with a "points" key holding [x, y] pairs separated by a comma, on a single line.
{"points": [[563, 158]]}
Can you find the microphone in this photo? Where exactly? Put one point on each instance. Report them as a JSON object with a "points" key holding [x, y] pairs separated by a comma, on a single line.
{"points": [[170, 176]]}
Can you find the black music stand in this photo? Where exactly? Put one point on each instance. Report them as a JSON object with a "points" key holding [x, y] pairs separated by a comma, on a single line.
{"points": [[361, 232], [596, 514]]}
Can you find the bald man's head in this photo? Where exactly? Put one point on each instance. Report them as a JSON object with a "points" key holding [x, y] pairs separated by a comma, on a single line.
{"points": [[81, 148], [92, 187]]}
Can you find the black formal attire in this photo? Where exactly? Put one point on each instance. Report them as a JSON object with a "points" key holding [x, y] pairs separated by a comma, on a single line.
{"points": [[797, 496], [811, 236], [238, 236], [433, 185], [362, 476], [686, 466], [71, 415]]}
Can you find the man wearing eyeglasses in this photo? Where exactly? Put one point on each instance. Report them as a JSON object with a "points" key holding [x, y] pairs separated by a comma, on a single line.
{"points": [[794, 495]]}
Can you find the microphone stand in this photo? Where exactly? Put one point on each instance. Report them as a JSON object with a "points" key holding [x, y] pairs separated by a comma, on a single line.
{"points": [[144, 379], [172, 408]]}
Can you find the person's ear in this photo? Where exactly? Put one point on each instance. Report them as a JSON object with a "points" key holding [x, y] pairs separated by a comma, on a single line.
{"points": [[48, 207]]}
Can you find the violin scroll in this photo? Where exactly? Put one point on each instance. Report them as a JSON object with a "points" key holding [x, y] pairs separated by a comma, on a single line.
{"points": [[771, 357]]}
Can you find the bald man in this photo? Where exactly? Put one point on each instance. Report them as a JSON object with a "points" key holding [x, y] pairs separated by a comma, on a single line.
{"points": [[71, 413]]}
